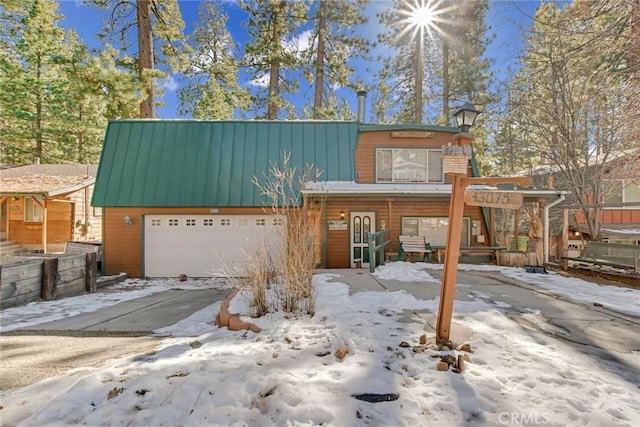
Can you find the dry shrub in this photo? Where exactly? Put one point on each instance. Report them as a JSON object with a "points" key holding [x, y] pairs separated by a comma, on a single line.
{"points": [[292, 258]]}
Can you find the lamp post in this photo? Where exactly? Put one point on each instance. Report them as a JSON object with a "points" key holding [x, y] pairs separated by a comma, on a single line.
{"points": [[455, 159], [465, 117]]}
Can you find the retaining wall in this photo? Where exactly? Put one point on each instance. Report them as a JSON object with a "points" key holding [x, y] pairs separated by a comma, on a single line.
{"points": [[47, 278]]}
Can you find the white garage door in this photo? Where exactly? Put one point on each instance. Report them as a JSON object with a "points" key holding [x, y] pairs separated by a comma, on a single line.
{"points": [[204, 245]]}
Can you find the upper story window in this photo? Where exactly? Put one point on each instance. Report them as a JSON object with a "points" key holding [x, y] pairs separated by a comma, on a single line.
{"points": [[408, 165], [32, 210], [622, 191]]}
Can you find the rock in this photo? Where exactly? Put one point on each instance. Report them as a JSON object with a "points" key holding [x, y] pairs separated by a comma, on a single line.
{"points": [[442, 366], [404, 344], [274, 355], [466, 358], [223, 318], [237, 324], [423, 339], [341, 353], [466, 347], [448, 359]]}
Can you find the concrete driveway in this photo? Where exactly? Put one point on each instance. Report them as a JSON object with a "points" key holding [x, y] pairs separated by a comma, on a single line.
{"points": [[89, 340]]}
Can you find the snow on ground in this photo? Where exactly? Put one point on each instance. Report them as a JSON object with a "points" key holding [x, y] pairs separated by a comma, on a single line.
{"points": [[288, 375]]}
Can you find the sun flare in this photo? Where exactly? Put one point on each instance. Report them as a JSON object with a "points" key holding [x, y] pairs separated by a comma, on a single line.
{"points": [[422, 16]]}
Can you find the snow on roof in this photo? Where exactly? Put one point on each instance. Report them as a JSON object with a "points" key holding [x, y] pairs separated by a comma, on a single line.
{"points": [[350, 187]]}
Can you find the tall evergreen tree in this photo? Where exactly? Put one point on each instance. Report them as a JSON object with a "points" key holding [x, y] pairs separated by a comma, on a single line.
{"points": [[452, 44], [32, 82], [333, 44], [160, 38], [271, 53], [55, 98], [213, 91]]}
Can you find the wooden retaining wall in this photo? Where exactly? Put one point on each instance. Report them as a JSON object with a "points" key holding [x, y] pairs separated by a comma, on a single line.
{"points": [[36, 279]]}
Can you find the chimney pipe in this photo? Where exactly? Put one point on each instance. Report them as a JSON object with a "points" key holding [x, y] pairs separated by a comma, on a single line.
{"points": [[362, 97]]}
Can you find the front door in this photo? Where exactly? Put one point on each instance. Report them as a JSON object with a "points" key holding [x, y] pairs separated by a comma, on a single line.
{"points": [[361, 224]]}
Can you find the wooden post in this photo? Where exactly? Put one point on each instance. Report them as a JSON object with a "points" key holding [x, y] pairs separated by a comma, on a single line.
{"points": [[565, 238], [49, 278], [450, 272], [91, 272]]}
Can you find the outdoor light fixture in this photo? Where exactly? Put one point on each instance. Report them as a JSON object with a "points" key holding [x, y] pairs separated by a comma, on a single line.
{"points": [[466, 116], [342, 214], [128, 220]]}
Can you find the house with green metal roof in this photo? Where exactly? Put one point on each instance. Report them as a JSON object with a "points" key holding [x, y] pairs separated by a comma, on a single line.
{"points": [[178, 196]]}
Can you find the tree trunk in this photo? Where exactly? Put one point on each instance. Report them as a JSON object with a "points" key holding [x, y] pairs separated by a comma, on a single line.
{"points": [[419, 74], [274, 72], [445, 82], [38, 153], [317, 99], [145, 52]]}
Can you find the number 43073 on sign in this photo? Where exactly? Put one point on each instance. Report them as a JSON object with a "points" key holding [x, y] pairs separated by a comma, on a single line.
{"points": [[494, 199]]}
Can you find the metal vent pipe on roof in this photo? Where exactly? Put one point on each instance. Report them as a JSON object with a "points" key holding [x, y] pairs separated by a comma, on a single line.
{"points": [[362, 100]]}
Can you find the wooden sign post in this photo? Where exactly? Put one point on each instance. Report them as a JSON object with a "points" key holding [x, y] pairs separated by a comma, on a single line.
{"points": [[454, 232]]}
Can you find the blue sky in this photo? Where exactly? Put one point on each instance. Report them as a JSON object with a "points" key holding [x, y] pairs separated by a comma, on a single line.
{"points": [[508, 20]]}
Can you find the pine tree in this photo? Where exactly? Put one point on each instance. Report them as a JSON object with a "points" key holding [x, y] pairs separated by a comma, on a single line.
{"points": [[333, 44], [32, 83], [272, 52], [160, 40], [452, 45], [213, 91]]}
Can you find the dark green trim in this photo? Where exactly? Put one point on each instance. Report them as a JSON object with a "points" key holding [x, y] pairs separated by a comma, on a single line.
{"points": [[390, 128]]}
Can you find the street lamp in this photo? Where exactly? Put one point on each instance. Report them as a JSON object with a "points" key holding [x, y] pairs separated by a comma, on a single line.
{"points": [[466, 116]]}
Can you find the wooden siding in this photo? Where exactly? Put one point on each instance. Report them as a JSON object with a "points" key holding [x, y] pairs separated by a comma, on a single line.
{"points": [[387, 209], [59, 228], [369, 141], [86, 226], [123, 245], [621, 216]]}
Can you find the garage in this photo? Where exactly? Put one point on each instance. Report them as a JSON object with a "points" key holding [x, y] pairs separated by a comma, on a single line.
{"points": [[204, 245]]}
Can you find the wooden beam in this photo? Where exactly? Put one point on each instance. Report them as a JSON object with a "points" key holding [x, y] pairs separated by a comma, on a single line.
{"points": [[523, 181]]}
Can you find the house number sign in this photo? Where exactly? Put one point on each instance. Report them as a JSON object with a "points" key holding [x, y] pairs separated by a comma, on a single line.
{"points": [[494, 199]]}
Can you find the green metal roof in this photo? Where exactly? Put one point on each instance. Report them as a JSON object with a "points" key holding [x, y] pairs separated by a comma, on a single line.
{"points": [[171, 163]]}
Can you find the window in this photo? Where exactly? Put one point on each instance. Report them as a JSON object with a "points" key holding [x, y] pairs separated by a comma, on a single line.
{"points": [[32, 210], [156, 222], [622, 191], [191, 222], [434, 229], [278, 222], [225, 222], [208, 222], [243, 222], [173, 223], [261, 222], [408, 165]]}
